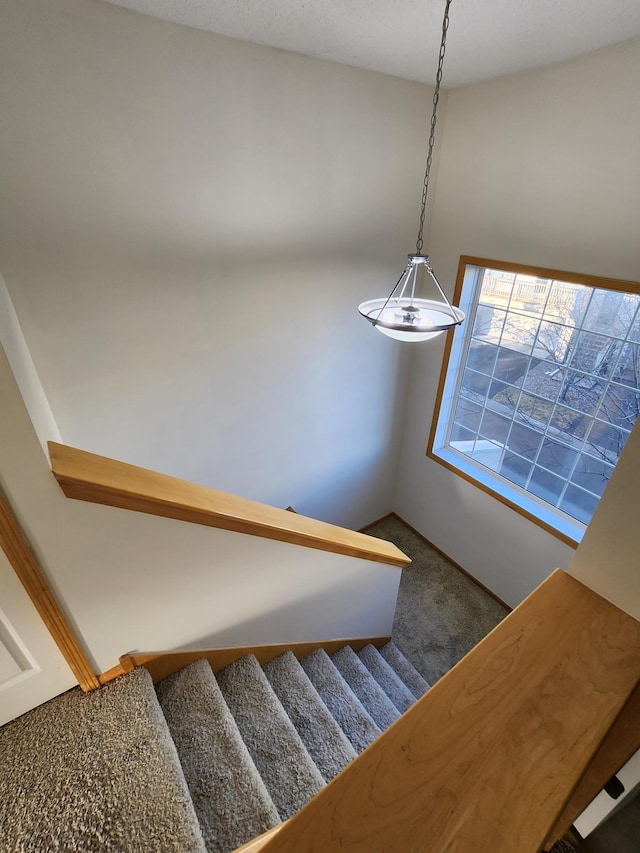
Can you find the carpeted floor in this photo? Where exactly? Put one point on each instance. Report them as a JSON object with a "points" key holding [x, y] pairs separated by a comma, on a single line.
{"points": [[71, 768], [441, 613]]}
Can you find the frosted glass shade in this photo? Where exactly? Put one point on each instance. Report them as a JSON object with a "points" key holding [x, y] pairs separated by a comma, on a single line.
{"points": [[409, 319]]}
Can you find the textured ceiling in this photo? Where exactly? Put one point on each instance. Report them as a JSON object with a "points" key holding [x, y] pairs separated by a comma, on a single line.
{"points": [[487, 38]]}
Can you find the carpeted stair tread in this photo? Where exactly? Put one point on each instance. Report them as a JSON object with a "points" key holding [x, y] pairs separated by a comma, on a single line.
{"points": [[283, 762], [343, 704], [381, 709], [390, 682], [325, 741], [404, 669], [229, 796], [95, 772]]}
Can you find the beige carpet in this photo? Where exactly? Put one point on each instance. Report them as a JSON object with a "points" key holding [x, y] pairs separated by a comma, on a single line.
{"points": [[95, 772], [441, 614]]}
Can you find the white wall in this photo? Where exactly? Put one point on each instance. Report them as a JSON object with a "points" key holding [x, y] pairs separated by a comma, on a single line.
{"points": [[539, 168], [23, 368], [130, 581], [174, 203], [608, 558]]}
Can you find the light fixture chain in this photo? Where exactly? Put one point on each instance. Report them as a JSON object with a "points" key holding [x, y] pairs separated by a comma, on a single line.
{"points": [[432, 134]]}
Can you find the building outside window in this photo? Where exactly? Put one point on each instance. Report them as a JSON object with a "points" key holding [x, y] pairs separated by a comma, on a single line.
{"points": [[541, 388]]}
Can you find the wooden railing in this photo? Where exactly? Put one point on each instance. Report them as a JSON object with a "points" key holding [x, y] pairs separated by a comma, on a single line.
{"points": [[489, 758], [622, 741], [98, 479]]}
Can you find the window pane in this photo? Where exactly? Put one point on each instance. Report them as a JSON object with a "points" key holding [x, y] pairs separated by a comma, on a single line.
{"points": [[546, 485], [570, 421], [529, 295], [634, 334], [519, 333], [505, 395], [591, 474], [619, 406], [534, 411], [482, 357], [516, 469], [610, 312], [545, 380], [475, 383], [511, 365], [495, 426], [627, 370], [581, 391], [594, 354], [497, 286], [488, 323], [606, 441], [484, 452], [468, 414], [524, 441], [460, 434], [579, 504], [557, 457], [553, 342], [545, 383], [568, 303]]}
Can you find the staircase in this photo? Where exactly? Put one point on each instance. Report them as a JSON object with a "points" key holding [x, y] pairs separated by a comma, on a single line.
{"points": [[257, 743], [206, 761]]}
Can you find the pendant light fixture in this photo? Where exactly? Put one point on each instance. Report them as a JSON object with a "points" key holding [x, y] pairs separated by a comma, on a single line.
{"points": [[402, 315]]}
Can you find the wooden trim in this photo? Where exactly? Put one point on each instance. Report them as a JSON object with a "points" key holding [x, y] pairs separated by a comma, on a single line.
{"points": [[162, 664], [259, 842], [489, 757], [428, 542], [377, 521], [621, 743], [98, 479], [467, 574], [24, 563], [559, 275], [116, 671]]}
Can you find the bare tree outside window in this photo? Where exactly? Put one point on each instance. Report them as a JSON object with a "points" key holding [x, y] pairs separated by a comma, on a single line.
{"points": [[547, 386]]}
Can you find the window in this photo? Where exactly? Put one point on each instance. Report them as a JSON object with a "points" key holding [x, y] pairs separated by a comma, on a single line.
{"points": [[541, 388]]}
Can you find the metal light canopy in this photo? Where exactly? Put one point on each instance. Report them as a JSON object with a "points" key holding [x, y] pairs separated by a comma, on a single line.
{"points": [[402, 315]]}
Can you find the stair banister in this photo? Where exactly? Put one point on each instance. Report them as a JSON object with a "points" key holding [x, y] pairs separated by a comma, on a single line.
{"points": [[489, 757], [99, 479]]}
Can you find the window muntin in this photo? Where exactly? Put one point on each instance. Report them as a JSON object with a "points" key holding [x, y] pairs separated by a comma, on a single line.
{"points": [[541, 389]]}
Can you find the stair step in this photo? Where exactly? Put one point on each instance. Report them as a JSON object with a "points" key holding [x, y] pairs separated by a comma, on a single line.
{"points": [[290, 775], [230, 798], [390, 682], [325, 741], [405, 669], [343, 704], [95, 772], [381, 709]]}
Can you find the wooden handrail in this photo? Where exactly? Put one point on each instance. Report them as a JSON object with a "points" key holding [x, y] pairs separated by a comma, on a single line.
{"points": [[19, 554], [258, 843], [98, 479], [620, 744], [489, 757], [162, 664]]}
